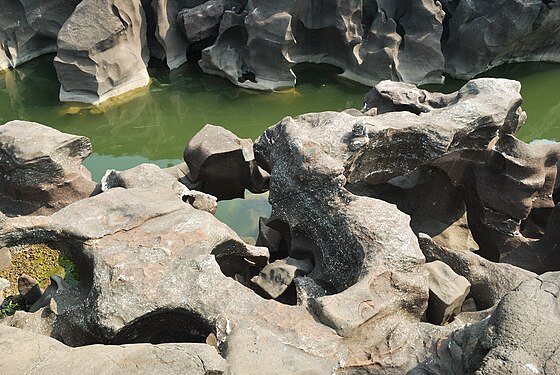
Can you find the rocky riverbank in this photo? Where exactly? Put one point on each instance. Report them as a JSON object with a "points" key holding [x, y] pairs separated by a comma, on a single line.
{"points": [[417, 235], [104, 46]]}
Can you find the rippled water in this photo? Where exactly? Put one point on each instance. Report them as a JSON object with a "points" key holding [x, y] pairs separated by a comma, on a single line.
{"points": [[155, 124]]}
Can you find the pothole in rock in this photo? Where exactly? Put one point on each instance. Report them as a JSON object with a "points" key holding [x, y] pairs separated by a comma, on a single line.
{"points": [[36, 273], [166, 326], [275, 278]]}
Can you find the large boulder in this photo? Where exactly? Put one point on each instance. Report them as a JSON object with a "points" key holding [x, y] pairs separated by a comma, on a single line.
{"points": [[29, 28], [102, 51], [223, 164], [521, 336], [483, 34], [41, 169], [369, 268], [478, 154]]}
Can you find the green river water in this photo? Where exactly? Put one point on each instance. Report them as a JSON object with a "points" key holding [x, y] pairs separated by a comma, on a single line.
{"points": [[155, 124]]}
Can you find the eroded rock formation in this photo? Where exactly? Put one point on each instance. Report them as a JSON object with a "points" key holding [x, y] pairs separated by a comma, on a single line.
{"points": [[41, 169], [29, 28], [102, 51], [360, 203]]}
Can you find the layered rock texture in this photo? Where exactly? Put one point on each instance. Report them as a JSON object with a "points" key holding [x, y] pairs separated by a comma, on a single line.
{"points": [[412, 237], [104, 55], [29, 28], [103, 46]]}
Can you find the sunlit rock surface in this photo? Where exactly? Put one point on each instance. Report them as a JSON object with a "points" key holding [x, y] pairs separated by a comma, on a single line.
{"points": [[102, 51], [29, 28]]}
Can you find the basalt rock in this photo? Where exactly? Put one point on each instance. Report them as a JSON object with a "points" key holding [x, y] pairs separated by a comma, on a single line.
{"points": [[202, 23], [41, 169], [365, 265], [483, 34], [224, 164], [29, 28], [521, 336], [489, 281], [370, 41], [150, 176], [102, 51], [478, 153]]}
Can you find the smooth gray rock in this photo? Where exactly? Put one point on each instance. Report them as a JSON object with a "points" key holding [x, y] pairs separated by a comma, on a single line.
{"points": [[203, 22], [28, 353], [447, 292], [41, 168], [224, 164], [150, 176], [484, 34], [277, 276], [270, 356], [102, 51], [29, 28]]}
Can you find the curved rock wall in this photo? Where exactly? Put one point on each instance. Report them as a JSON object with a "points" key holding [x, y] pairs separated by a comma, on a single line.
{"points": [[105, 55], [255, 44], [29, 28]]}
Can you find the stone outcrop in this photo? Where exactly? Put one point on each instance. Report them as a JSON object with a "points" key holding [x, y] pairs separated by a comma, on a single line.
{"points": [[490, 281], [258, 47], [41, 169], [478, 154], [30, 28], [35, 354], [521, 335], [483, 34], [102, 51], [223, 164]]}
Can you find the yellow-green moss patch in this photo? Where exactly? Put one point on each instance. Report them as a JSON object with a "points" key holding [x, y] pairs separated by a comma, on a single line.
{"points": [[40, 262]]}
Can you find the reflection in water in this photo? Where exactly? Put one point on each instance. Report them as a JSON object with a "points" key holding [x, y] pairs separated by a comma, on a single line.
{"points": [[155, 124]]}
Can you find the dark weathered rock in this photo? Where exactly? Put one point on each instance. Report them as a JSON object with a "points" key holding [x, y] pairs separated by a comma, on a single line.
{"points": [[276, 277], [102, 51], [29, 289], [369, 41], [521, 336], [489, 281], [41, 169], [224, 164], [447, 292], [202, 22], [501, 186], [395, 134], [24, 352], [365, 265], [29, 28], [484, 34]]}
